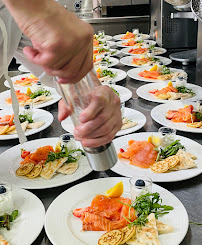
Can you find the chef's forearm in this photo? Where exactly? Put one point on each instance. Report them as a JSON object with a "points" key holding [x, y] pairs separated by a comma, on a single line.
{"points": [[26, 12]]}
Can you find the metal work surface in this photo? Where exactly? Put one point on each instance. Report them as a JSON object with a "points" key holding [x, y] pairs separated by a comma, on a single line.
{"points": [[189, 192]]}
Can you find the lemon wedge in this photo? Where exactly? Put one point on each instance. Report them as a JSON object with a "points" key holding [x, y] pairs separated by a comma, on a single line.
{"points": [[170, 84], [98, 70], [31, 76], [29, 91], [58, 147], [155, 140], [185, 105], [115, 191], [154, 68]]}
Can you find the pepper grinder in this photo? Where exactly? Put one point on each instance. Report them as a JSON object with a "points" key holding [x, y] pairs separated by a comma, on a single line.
{"points": [[77, 97]]}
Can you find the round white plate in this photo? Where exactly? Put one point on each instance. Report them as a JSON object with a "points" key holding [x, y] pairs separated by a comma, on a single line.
{"points": [[143, 91], [119, 36], [124, 93], [120, 74], [128, 112], [10, 161], [133, 73], [123, 167], [113, 62], [6, 94], [120, 43], [38, 115], [63, 228], [23, 69], [157, 51], [18, 77], [158, 113], [111, 43], [127, 60], [29, 223]]}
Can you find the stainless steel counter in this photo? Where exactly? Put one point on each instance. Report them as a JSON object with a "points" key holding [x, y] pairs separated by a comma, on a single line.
{"points": [[189, 191]]}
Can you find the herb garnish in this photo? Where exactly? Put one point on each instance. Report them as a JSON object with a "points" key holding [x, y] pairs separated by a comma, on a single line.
{"points": [[52, 156], [103, 50], [6, 219], [145, 205], [170, 150], [39, 93], [198, 115], [151, 47], [184, 90], [106, 60], [140, 41], [165, 70], [24, 118], [105, 73], [115, 91]]}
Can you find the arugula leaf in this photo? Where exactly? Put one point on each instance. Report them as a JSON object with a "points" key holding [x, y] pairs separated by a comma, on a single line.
{"points": [[151, 47], [140, 41], [115, 91], [24, 118], [198, 115], [39, 93], [184, 90], [147, 204], [105, 73], [6, 219], [102, 50], [165, 70], [52, 156]]}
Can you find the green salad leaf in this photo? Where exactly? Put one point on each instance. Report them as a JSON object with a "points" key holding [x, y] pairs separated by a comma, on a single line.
{"points": [[39, 93], [147, 204], [165, 70], [52, 156], [24, 118], [184, 90], [170, 150], [105, 73], [6, 219], [198, 115]]}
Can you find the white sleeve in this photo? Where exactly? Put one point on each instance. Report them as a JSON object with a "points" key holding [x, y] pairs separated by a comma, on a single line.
{"points": [[14, 36]]}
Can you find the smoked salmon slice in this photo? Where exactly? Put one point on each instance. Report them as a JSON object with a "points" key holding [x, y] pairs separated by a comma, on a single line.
{"points": [[106, 214], [140, 153], [128, 35], [182, 115], [149, 74]]}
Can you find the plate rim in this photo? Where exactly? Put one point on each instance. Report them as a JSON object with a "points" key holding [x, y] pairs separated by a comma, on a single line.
{"points": [[42, 207], [111, 179], [189, 129], [161, 180], [15, 136], [40, 187]]}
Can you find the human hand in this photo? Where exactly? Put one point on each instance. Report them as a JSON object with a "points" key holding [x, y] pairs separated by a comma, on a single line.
{"points": [[62, 43], [100, 121]]}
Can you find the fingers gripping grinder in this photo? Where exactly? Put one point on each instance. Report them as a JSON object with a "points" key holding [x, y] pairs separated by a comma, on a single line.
{"points": [[77, 97]]}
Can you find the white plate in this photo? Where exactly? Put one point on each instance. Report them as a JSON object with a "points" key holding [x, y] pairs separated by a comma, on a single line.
{"points": [[133, 73], [114, 62], [18, 77], [108, 37], [119, 37], [120, 74], [38, 115], [63, 228], [6, 94], [127, 60], [123, 167], [128, 112], [11, 158], [159, 51], [23, 69], [29, 223], [143, 91], [120, 43], [158, 113], [124, 93]]}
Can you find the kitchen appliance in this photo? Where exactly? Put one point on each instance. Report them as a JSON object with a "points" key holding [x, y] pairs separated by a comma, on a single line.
{"points": [[173, 26], [196, 6], [82, 8]]}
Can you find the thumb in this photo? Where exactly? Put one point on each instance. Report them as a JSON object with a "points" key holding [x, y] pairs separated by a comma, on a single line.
{"points": [[30, 53]]}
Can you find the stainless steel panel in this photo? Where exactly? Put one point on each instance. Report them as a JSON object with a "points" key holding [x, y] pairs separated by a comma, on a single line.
{"points": [[77, 5], [199, 56], [113, 26], [115, 2], [135, 2]]}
